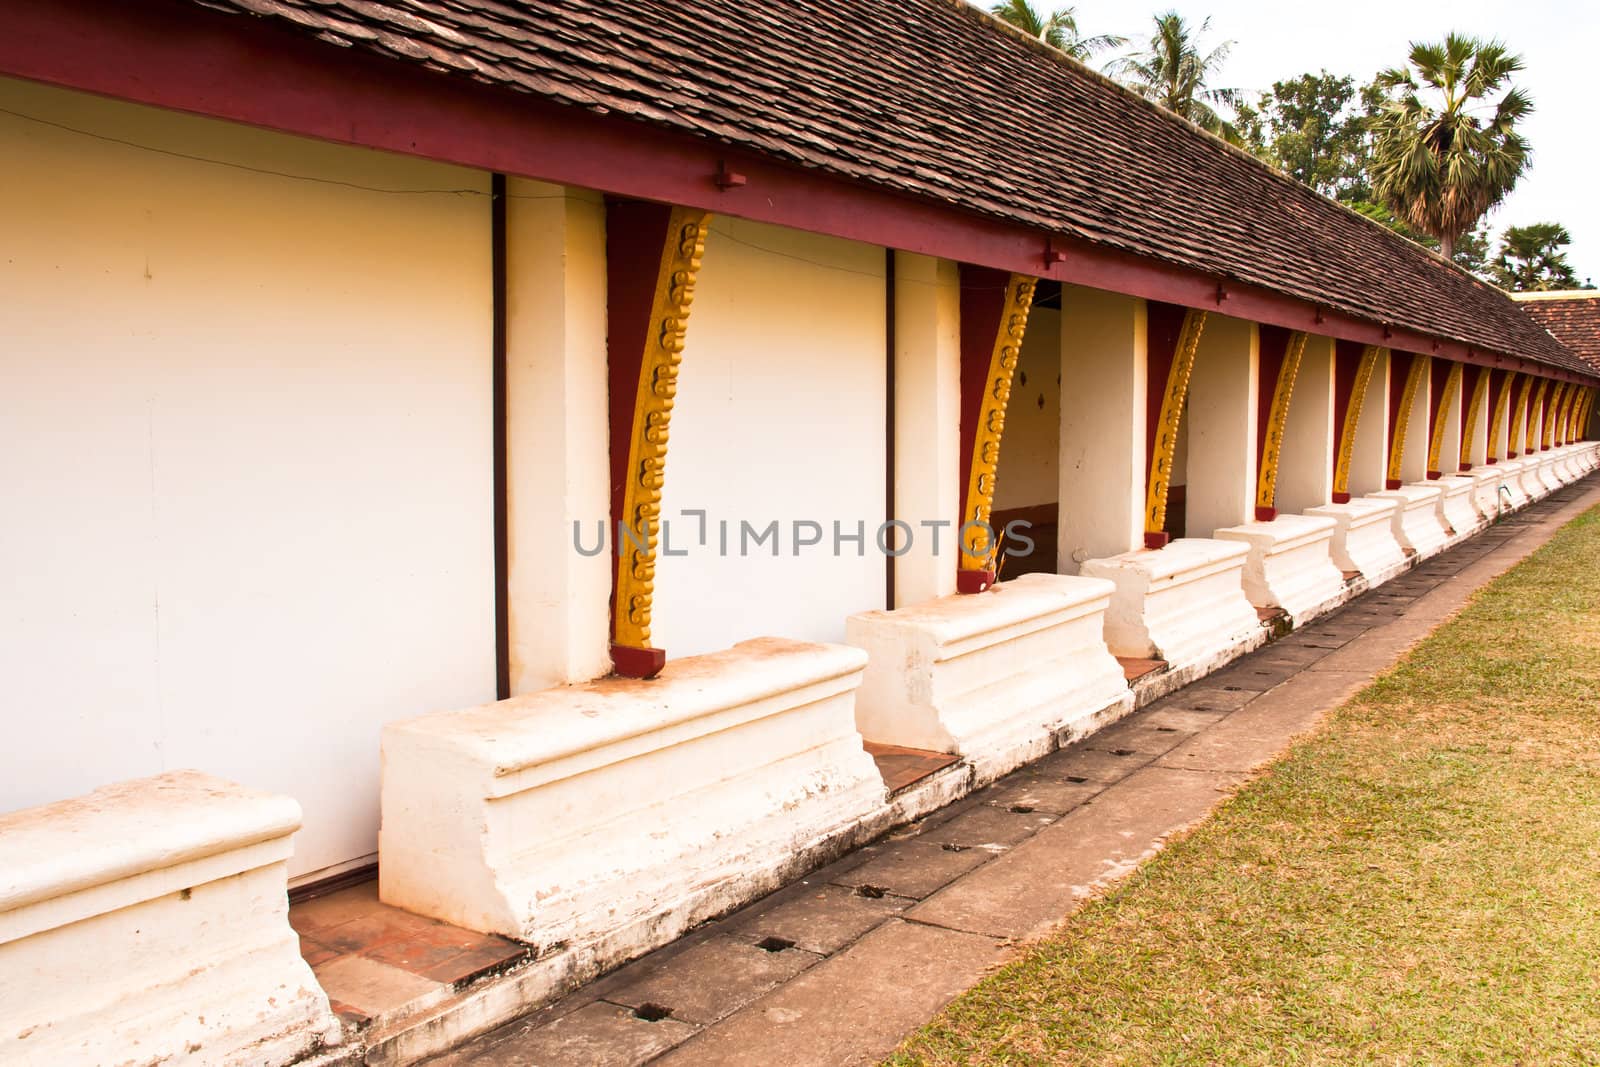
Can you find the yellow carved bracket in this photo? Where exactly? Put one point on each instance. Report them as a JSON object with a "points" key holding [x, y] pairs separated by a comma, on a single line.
{"points": [[681, 252], [1441, 417], [1408, 396], [1520, 435], [1170, 421], [1497, 420], [1352, 419], [1480, 386], [1536, 413], [1550, 413], [978, 549], [1272, 449]]}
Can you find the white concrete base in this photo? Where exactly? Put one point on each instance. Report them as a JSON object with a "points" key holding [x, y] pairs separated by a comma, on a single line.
{"points": [[1184, 603], [1456, 507], [624, 810], [1000, 677], [1418, 525], [1363, 539], [1511, 484], [1290, 565], [1546, 474], [148, 922], [1487, 499], [1532, 486]]}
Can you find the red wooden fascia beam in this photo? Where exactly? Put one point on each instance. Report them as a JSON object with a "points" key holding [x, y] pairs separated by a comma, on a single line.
{"points": [[185, 58]]}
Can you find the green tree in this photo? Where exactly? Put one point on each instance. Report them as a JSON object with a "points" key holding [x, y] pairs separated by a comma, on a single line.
{"points": [[1309, 128], [1059, 29], [1444, 152], [1531, 259], [1174, 72]]}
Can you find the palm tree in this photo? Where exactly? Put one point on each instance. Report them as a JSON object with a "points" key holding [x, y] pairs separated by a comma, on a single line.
{"points": [[1173, 72], [1532, 259], [1059, 29], [1443, 152]]}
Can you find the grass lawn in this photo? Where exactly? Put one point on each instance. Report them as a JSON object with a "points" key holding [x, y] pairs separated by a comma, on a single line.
{"points": [[1418, 882]]}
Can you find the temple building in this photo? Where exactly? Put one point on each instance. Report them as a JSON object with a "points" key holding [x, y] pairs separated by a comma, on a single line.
{"points": [[585, 465]]}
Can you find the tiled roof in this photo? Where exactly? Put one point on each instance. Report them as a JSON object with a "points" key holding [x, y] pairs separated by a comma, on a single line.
{"points": [[1573, 318], [936, 99]]}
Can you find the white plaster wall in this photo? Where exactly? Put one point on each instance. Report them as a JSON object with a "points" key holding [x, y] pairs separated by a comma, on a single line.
{"points": [[1450, 427], [779, 415], [1369, 456], [1030, 450], [1305, 463], [1414, 456], [1221, 464], [1104, 347], [244, 458]]}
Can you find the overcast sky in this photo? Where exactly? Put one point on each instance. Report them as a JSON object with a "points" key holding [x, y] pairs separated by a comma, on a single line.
{"points": [[1275, 39]]}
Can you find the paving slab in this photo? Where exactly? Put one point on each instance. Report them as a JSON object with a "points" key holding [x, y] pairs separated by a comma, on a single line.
{"points": [[852, 1009], [913, 867], [1082, 763], [817, 918], [711, 980], [990, 826], [1027, 891], [1052, 795], [596, 1035]]}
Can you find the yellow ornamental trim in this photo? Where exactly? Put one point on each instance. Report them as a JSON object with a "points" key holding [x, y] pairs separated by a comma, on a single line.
{"points": [[652, 418], [1521, 436], [1441, 417], [1565, 427], [1352, 419], [1170, 421], [1535, 413], [1397, 444], [1580, 429], [978, 549], [1267, 479], [1479, 388], [1550, 415], [1497, 418]]}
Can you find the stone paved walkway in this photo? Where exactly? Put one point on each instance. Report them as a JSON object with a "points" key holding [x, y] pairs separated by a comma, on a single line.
{"points": [[839, 967]]}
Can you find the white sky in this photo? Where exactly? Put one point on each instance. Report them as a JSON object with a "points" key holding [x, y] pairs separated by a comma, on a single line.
{"points": [[1277, 39]]}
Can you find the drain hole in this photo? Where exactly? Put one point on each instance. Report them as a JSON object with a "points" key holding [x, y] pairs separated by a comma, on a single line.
{"points": [[1122, 752], [1232, 689], [774, 944], [870, 891], [954, 848], [1019, 809], [1076, 779], [651, 1013], [1166, 729]]}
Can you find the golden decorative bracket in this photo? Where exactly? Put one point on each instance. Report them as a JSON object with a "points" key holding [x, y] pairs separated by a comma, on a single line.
{"points": [[1167, 426], [1352, 420], [1441, 422], [1397, 438], [1272, 448]]}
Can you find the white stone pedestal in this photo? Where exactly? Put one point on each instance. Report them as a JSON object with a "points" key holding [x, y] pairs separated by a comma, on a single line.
{"points": [[1184, 604], [1364, 539], [1546, 474], [1000, 677], [1511, 473], [1457, 510], [1418, 525], [623, 812], [1486, 496], [1533, 486], [1566, 464], [148, 922], [1290, 565]]}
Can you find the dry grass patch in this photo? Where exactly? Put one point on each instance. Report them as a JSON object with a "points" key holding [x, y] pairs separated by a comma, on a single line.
{"points": [[1419, 882]]}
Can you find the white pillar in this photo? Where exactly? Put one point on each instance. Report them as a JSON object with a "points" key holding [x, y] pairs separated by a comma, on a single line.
{"points": [[1305, 463], [1476, 451], [1222, 420], [1104, 339], [1414, 457], [1369, 457], [1449, 426], [557, 471], [927, 422]]}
